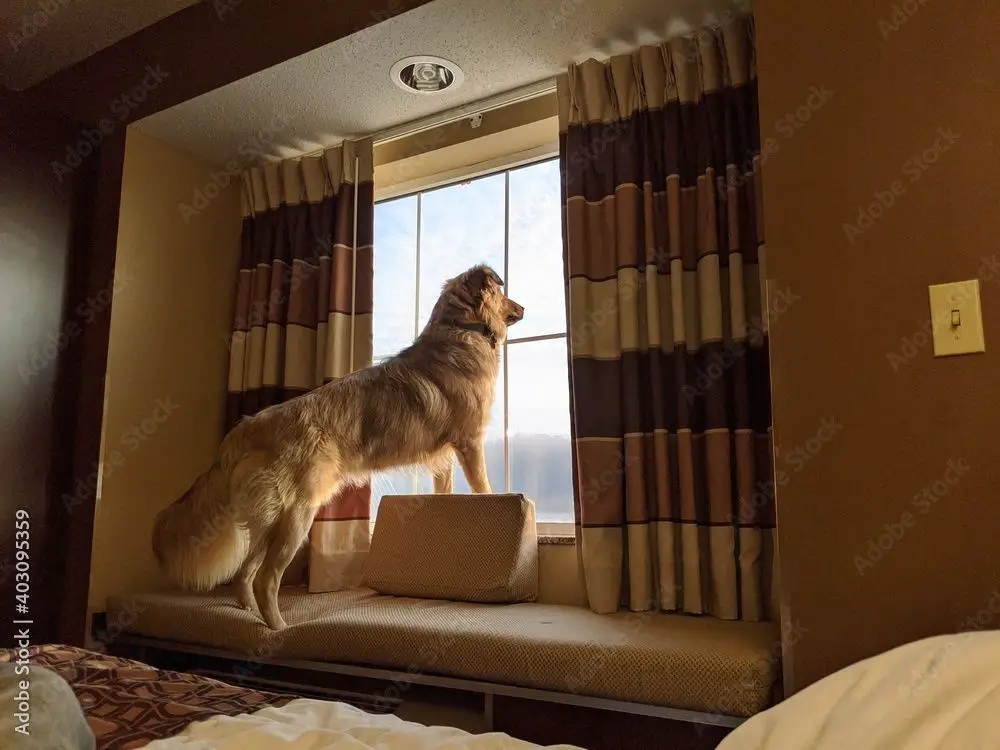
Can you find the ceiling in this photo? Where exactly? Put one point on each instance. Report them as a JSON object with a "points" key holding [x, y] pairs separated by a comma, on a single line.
{"points": [[41, 38], [344, 89]]}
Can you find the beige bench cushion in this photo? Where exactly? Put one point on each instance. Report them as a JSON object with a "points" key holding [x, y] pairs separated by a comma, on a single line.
{"points": [[471, 548], [678, 661]]}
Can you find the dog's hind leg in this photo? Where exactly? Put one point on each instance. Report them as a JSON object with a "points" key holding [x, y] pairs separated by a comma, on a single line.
{"points": [[244, 579], [254, 493], [473, 460], [284, 542]]}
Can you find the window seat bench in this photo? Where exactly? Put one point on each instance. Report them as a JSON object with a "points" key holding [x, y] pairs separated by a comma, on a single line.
{"points": [[463, 617], [698, 669]]}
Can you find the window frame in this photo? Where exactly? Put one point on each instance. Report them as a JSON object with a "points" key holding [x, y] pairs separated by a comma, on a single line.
{"points": [[503, 165]]}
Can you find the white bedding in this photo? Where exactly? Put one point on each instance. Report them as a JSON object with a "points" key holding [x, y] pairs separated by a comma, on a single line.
{"points": [[324, 725], [939, 693]]}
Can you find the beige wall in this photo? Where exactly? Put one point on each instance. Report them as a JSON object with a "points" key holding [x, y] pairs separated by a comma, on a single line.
{"points": [[851, 346], [168, 361], [526, 130], [560, 580]]}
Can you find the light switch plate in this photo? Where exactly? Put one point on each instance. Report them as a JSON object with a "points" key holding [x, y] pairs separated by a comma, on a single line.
{"points": [[957, 318]]}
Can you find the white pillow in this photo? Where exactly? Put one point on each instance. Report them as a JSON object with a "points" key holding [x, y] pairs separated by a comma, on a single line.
{"points": [[940, 693]]}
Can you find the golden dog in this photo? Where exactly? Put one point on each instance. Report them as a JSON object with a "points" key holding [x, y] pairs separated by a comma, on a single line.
{"points": [[248, 515]]}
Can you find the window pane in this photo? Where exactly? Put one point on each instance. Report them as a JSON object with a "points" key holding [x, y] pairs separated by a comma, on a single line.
{"points": [[536, 264], [405, 482], [461, 225], [540, 461], [390, 483], [494, 453], [395, 275], [493, 446]]}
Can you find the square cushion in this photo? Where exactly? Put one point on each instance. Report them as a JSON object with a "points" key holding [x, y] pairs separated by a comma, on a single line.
{"points": [[471, 548]]}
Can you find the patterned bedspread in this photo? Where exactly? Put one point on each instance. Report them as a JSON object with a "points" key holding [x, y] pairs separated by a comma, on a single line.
{"points": [[129, 704]]}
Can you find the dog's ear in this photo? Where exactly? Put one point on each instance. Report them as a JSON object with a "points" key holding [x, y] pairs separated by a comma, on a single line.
{"points": [[480, 276]]}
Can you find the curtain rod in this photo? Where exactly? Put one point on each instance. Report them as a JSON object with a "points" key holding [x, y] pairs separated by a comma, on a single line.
{"points": [[514, 96], [523, 93]]}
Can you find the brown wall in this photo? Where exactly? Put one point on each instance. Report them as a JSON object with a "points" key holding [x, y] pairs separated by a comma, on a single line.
{"points": [[45, 321], [200, 48], [168, 360], [854, 299]]}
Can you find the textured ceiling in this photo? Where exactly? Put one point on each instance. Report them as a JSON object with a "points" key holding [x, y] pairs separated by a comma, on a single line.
{"points": [[344, 89], [40, 37]]}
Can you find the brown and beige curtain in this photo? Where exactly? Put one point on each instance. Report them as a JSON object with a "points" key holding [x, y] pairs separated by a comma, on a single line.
{"points": [[665, 261], [304, 313]]}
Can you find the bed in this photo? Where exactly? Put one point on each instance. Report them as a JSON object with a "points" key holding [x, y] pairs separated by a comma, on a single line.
{"points": [[939, 693], [129, 704]]}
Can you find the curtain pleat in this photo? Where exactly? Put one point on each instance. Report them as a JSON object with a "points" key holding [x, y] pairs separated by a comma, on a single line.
{"points": [[669, 369], [304, 313]]}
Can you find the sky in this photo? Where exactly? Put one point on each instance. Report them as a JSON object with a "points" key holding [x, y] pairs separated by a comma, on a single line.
{"points": [[461, 225]]}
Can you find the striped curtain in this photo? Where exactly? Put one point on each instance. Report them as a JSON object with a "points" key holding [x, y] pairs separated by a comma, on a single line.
{"points": [[304, 315], [664, 260]]}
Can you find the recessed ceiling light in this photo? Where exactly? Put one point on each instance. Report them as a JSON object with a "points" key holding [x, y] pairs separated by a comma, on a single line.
{"points": [[426, 74]]}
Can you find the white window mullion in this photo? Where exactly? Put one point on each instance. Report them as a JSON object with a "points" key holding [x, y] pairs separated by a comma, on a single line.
{"points": [[506, 359], [416, 307]]}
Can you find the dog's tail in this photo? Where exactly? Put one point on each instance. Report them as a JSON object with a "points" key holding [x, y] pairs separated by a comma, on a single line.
{"points": [[200, 541]]}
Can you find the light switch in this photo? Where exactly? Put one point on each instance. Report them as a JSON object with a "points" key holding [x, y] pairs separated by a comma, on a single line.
{"points": [[957, 318]]}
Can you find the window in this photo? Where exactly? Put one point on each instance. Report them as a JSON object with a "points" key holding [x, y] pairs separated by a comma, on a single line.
{"points": [[512, 221]]}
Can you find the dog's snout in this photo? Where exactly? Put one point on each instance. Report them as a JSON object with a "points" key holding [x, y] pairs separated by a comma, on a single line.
{"points": [[516, 311]]}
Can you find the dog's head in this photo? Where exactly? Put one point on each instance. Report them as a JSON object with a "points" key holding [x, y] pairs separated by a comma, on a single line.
{"points": [[477, 296]]}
